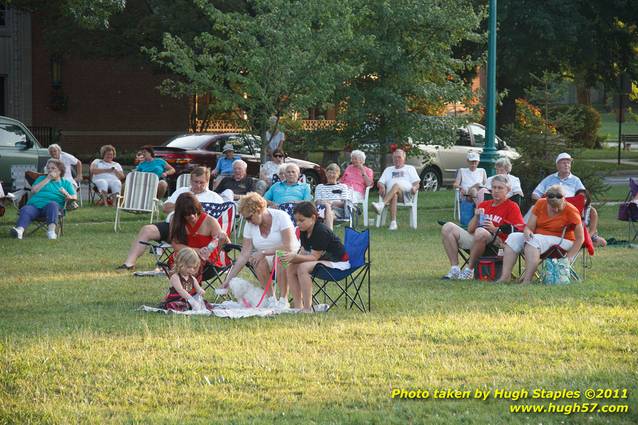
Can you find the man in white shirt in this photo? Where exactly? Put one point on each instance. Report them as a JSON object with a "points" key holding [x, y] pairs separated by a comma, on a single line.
{"points": [[159, 231], [398, 183], [563, 177]]}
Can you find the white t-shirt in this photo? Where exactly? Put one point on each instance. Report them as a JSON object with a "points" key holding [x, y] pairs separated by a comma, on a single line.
{"points": [[515, 182], [101, 164], [471, 178], [207, 196], [69, 161], [278, 137], [270, 168], [280, 221], [404, 177]]}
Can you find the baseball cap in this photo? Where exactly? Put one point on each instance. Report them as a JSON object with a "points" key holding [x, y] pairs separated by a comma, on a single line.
{"points": [[228, 147], [473, 156], [563, 155]]}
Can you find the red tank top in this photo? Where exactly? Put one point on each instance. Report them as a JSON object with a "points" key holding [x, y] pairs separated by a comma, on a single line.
{"points": [[197, 241]]}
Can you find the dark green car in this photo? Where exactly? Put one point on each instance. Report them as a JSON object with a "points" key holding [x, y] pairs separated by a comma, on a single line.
{"points": [[19, 151]]}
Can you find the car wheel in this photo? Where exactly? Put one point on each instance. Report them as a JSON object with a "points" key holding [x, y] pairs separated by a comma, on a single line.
{"points": [[431, 179], [312, 179]]}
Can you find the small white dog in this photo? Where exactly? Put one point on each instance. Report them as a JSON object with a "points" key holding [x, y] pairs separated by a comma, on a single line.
{"points": [[245, 293]]}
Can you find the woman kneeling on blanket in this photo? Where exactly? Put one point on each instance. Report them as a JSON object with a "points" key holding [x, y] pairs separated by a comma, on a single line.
{"points": [[319, 245], [184, 290]]}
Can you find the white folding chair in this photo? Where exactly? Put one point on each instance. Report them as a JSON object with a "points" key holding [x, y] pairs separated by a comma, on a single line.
{"points": [[184, 180], [364, 206], [140, 196], [381, 218]]}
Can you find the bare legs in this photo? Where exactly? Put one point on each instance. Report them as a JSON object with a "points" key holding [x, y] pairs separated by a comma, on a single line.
{"points": [[161, 189], [391, 197], [150, 232], [450, 236], [300, 284]]}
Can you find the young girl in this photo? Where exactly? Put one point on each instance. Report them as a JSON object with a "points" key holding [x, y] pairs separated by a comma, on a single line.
{"points": [[318, 246], [184, 286]]}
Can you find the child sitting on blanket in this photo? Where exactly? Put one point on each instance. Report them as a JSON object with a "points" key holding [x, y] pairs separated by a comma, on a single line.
{"points": [[319, 245], [185, 292]]}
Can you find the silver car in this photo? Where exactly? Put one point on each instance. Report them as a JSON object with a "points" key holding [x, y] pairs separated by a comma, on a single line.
{"points": [[437, 165]]}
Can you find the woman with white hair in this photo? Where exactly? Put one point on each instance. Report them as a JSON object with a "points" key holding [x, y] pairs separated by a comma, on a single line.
{"points": [[107, 174], [357, 176], [552, 221], [69, 161], [504, 167]]}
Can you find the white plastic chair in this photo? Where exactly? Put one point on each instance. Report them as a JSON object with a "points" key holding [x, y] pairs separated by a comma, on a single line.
{"points": [[381, 218], [140, 196], [364, 206], [184, 180]]}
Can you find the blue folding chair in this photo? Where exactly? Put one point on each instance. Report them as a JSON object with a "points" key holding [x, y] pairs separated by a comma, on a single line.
{"points": [[348, 284]]}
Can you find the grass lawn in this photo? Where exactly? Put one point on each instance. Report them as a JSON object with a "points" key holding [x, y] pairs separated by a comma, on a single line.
{"points": [[609, 126], [74, 349]]}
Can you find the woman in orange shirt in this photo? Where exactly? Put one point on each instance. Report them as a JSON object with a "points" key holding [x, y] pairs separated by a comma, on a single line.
{"points": [[544, 229]]}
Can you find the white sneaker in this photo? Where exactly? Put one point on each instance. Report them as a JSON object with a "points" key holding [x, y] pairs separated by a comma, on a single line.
{"points": [[378, 206], [393, 225], [452, 275], [283, 303], [466, 274], [51, 234], [17, 232]]}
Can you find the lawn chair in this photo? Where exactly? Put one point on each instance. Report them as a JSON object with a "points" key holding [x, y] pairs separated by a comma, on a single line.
{"points": [[333, 284], [362, 207], [381, 218], [139, 197], [184, 180], [628, 211]]}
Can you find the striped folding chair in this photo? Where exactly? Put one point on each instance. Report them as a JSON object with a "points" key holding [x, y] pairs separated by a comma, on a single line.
{"points": [[139, 196], [184, 180]]}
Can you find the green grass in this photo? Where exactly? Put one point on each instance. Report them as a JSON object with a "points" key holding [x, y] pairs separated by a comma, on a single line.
{"points": [[609, 126], [73, 348]]}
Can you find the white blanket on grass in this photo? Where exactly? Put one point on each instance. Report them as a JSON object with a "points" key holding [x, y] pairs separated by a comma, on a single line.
{"points": [[233, 310]]}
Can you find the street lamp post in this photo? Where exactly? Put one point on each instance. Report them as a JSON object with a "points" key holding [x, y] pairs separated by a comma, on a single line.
{"points": [[489, 155]]}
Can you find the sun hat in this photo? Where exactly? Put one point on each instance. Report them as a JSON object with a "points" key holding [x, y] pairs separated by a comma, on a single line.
{"points": [[228, 147], [473, 156], [563, 155]]}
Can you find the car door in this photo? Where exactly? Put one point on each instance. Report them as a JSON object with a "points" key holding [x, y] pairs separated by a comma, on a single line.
{"points": [[454, 157], [19, 151]]}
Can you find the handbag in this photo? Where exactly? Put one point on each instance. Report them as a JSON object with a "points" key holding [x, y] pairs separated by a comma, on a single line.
{"points": [[628, 211], [556, 271]]}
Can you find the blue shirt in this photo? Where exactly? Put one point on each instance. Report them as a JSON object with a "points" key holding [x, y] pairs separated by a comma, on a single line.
{"points": [[570, 184], [155, 166], [282, 192], [225, 166], [50, 192]]}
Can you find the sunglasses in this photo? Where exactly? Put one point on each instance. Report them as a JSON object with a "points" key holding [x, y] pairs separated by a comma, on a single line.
{"points": [[278, 156], [554, 196]]}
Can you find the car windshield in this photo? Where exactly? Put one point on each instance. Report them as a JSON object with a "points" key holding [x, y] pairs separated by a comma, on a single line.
{"points": [[11, 134], [192, 141], [479, 137]]}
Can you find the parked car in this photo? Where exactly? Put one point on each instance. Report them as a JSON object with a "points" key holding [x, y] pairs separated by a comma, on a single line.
{"points": [[436, 164], [18, 147], [188, 151]]}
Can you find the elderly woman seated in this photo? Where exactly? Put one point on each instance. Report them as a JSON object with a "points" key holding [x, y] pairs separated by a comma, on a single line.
{"points": [[107, 175], [289, 190], [358, 176], [492, 221], [333, 196], [50, 193], [504, 167], [552, 221]]}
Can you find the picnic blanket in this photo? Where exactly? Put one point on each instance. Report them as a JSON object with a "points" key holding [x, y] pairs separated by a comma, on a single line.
{"points": [[233, 310]]}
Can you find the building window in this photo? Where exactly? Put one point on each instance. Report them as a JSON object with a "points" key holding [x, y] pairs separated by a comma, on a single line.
{"points": [[3, 15]]}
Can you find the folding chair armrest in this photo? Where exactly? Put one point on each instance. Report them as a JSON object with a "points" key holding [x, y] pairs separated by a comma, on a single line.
{"points": [[231, 247]]}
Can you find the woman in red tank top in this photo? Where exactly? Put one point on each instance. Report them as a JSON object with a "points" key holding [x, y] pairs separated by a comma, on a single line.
{"points": [[192, 227]]}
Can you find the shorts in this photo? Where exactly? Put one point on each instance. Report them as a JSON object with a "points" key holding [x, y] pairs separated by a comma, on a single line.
{"points": [[517, 241], [164, 229], [338, 265], [466, 240], [406, 197]]}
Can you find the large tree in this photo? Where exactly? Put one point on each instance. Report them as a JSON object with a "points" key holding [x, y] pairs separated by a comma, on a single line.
{"points": [[406, 51], [271, 59]]}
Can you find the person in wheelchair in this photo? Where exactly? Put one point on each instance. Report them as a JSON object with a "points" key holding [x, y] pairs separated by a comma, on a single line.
{"points": [[487, 231], [334, 196], [49, 195], [553, 221], [159, 231]]}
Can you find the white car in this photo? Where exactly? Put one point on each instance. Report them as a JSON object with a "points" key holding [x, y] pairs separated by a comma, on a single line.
{"points": [[437, 166]]}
